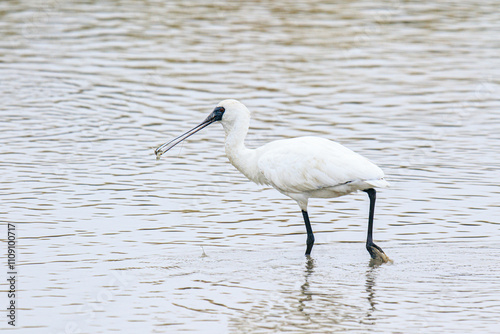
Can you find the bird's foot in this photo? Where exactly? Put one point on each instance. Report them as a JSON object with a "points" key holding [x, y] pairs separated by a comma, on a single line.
{"points": [[308, 250], [377, 254]]}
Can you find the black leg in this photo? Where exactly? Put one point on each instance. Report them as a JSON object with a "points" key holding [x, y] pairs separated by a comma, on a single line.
{"points": [[374, 250], [310, 235]]}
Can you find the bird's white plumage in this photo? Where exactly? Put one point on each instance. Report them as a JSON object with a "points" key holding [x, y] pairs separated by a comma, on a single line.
{"points": [[301, 168], [307, 164]]}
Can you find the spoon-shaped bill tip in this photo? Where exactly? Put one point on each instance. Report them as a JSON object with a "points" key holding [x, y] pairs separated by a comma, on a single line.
{"points": [[158, 154]]}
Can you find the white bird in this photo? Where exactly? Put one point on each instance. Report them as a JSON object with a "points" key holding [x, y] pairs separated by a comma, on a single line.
{"points": [[300, 168]]}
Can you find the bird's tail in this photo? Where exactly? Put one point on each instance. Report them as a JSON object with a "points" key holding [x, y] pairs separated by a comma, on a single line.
{"points": [[380, 183]]}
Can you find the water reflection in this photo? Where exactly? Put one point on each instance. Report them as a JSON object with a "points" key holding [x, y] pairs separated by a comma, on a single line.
{"points": [[371, 275], [307, 295], [317, 303]]}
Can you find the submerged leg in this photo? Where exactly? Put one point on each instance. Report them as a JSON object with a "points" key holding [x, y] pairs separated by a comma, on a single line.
{"points": [[375, 251], [310, 235]]}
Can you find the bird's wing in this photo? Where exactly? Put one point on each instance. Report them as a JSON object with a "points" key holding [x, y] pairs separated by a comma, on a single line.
{"points": [[312, 163]]}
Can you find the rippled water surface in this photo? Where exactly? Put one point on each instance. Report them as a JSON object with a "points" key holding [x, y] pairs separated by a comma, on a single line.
{"points": [[111, 240]]}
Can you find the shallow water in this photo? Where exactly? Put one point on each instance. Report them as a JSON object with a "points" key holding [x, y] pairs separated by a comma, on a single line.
{"points": [[112, 240]]}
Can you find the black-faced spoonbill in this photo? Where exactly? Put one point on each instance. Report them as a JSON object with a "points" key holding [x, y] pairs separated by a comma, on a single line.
{"points": [[301, 168]]}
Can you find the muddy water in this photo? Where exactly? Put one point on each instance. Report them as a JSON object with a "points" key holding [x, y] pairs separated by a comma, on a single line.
{"points": [[112, 240]]}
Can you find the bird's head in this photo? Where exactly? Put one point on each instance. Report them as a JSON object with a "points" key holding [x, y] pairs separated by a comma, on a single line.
{"points": [[228, 112]]}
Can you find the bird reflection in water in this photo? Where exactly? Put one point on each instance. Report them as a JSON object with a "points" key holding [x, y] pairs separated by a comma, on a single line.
{"points": [[371, 276], [370, 284], [306, 294], [315, 304]]}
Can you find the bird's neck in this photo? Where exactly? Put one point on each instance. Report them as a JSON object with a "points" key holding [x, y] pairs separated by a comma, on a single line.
{"points": [[238, 154]]}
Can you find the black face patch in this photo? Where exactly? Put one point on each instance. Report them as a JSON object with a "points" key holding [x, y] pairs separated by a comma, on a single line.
{"points": [[218, 112]]}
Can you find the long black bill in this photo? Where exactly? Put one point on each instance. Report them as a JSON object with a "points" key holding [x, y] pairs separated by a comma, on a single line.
{"points": [[213, 117]]}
